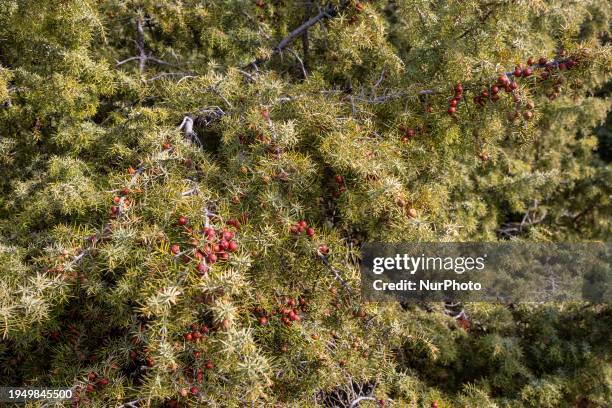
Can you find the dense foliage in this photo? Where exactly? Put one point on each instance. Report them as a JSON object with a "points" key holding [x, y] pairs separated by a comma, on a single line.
{"points": [[157, 158]]}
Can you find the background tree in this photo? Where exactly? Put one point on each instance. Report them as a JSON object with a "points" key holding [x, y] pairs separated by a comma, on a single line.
{"points": [[186, 186]]}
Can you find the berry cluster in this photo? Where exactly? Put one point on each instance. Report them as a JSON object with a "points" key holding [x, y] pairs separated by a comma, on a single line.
{"points": [[289, 312], [196, 333], [120, 202], [341, 186], [452, 108], [409, 133], [93, 383], [212, 246], [302, 226], [492, 92]]}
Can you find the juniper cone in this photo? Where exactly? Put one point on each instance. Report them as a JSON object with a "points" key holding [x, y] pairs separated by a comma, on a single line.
{"points": [[157, 159]]}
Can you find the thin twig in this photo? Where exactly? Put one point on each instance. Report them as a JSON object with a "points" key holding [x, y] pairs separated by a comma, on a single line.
{"points": [[295, 54], [140, 42], [335, 272], [356, 402], [328, 12]]}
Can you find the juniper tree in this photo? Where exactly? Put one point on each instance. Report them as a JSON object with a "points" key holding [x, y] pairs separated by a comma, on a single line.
{"points": [[186, 187]]}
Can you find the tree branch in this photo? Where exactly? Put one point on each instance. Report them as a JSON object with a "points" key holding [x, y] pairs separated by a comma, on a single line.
{"points": [[142, 57], [335, 272], [328, 12]]}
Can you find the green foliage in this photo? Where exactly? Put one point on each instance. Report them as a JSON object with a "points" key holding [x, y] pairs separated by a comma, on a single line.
{"points": [[96, 172]]}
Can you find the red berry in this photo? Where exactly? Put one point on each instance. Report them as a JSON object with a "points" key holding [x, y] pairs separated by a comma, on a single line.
{"points": [[223, 244], [324, 249], [434, 404], [175, 249], [197, 354], [484, 94], [544, 75], [114, 210], [503, 80], [310, 232], [339, 179], [451, 110], [91, 376], [188, 336], [458, 87], [103, 382], [228, 235], [542, 61], [294, 229], [303, 224], [527, 72], [209, 365], [125, 191], [202, 268], [527, 115], [90, 388], [166, 146], [194, 390], [530, 61], [182, 220], [513, 85], [410, 132], [453, 102], [212, 258], [494, 89], [517, 71], [116, 199], [562, 66], [232, 246], [293, 316], [265, 114], [263, 320]]}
